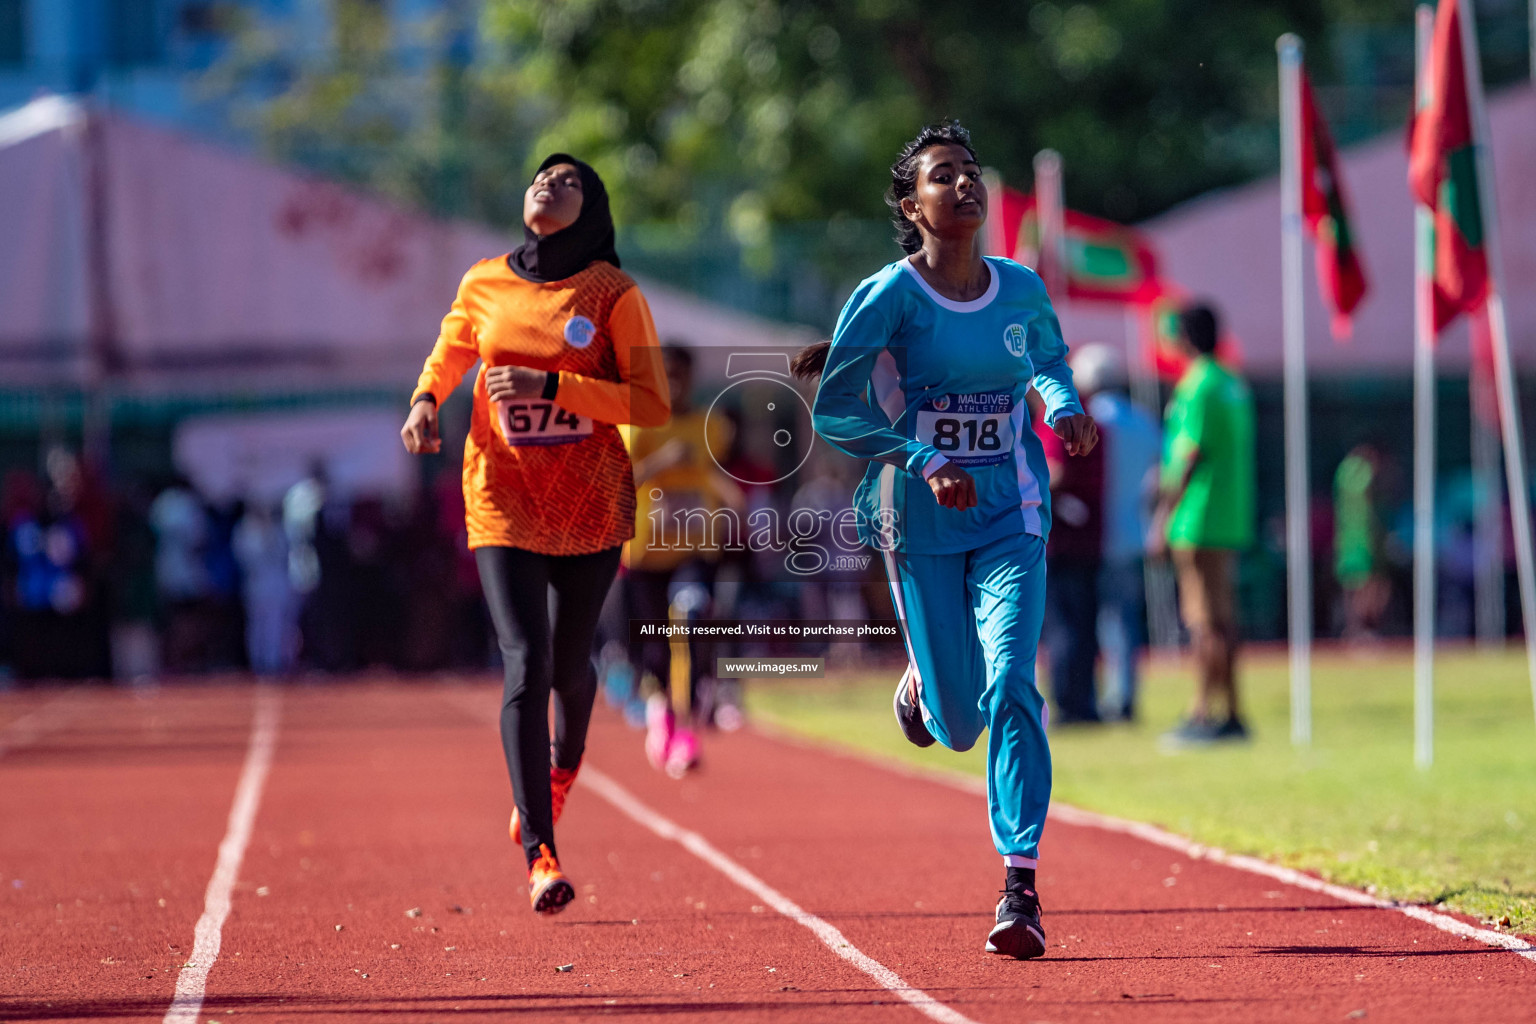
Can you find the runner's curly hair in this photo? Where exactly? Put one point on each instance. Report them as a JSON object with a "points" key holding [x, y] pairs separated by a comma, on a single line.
{"points": [[809, 361], [904, 175]]}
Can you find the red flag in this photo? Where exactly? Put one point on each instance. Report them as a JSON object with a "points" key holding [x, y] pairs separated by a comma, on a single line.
{"points": [[1442, 172], [1106, 262], [1339, 271]]}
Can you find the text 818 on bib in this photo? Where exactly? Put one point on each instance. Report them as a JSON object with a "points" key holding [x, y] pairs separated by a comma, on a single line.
{"points": [[969, 430]]}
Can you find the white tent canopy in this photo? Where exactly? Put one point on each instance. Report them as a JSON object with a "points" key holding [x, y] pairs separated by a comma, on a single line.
{"points": [[1226, 247], [227, 273]]}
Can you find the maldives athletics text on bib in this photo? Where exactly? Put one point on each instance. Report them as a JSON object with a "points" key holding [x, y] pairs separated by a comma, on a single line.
{"points": [[528, 422], [970, 430]]}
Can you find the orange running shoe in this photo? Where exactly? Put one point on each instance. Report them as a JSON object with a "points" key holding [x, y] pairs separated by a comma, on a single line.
{"points": [[560, 783], [548, 889]]}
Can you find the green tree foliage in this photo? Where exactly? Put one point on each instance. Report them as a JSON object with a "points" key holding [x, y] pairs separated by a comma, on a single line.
{"points": [[795, 108], [748, 114]]}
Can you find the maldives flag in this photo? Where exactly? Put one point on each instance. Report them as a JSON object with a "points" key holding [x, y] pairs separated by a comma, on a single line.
{"points": [[1442, 173], [1106, 262], [1339, 271]]}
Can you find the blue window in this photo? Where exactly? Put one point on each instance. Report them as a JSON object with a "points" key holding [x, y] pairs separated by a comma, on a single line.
{"points": [[13, 32], [134, 33]]}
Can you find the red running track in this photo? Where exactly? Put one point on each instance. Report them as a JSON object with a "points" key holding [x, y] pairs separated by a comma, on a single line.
{"points": [[385, 799]]}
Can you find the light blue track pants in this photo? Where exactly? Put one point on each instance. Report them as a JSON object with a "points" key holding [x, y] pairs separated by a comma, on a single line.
{"points": [[972, 625]]}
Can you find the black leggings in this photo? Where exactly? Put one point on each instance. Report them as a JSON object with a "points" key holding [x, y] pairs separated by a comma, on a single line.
{"points": [[539, 660]]}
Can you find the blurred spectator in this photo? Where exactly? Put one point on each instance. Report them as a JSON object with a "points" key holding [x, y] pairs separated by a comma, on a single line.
{"points": [[135, 635], [318, 557], [745, 585], [836, 592], [423, 579], [669, 566], [93, 585], [21, 502], [301, 521], [181, 575], [1131, 441], [473, 642], [271, 626], [56, 547], [1072, 558], [1456, 578], [370, 550], [1358, 542], [75, 495], [225, 612], [1205, 517]]}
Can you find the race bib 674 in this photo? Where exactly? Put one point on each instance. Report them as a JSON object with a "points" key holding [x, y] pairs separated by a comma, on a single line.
{"points": [[540, 422], [971, 430]]}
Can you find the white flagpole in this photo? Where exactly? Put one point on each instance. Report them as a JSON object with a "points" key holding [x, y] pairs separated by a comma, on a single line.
{"points": [[1157, 577], [1051, 220], [1423, 447], [1141, 378], [996, 238], [1503, 369], [1488, 570], [1298, 540]]}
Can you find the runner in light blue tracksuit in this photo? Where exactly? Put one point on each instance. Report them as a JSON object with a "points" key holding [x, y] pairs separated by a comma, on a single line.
{"points": [[914, 381], [969, 586]]}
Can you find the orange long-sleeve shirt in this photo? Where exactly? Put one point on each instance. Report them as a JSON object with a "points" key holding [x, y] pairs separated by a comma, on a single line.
{"points": [[551, 476]]}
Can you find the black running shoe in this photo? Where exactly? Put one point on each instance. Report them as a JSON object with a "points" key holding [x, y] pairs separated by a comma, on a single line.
{"points": [[908, 714], [1232, 730], [1192, 732], [1203, 733], [1018, 932]]}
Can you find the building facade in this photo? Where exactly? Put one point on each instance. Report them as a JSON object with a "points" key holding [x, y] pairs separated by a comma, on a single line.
{"points": [[151, 58]]}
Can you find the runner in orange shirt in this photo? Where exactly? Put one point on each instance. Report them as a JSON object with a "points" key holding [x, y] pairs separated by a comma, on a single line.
{"points": [[568, 351]]}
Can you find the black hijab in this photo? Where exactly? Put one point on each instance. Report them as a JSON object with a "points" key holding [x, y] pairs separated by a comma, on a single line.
{"points": [[589, 237]]}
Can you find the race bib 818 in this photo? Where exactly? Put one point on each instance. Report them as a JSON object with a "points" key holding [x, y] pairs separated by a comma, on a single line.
{"points": [[970, 430], [539, 422]]}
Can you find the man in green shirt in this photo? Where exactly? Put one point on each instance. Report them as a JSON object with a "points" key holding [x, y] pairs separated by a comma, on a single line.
{"points": [[1205, 517], [1357, 541]]}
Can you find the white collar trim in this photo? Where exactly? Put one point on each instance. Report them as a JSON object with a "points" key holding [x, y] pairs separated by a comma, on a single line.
{"points": [[972, 306]]}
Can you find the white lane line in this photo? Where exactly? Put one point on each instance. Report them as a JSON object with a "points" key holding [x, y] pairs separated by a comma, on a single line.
{"points": [[26, 729], [1069, 815], [193, 980], [626, 803], [830, 937]]}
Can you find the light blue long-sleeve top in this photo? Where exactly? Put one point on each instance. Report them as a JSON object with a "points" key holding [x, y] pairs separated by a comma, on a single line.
{"points": [[914, 380]]}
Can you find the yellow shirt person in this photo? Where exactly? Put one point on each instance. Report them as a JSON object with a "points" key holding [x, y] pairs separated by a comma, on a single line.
{"points": [[679, 488]]}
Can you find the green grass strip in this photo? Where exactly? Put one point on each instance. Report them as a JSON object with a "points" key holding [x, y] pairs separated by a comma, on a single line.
{"points": [[1350, 808]]}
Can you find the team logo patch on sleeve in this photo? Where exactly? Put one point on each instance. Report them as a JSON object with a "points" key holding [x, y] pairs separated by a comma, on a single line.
{"points": [[1013, 338], [579, 331]]}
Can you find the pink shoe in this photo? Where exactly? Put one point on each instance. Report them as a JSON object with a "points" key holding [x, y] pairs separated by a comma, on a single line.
{"points": [[658, 730], [683, 753]]}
